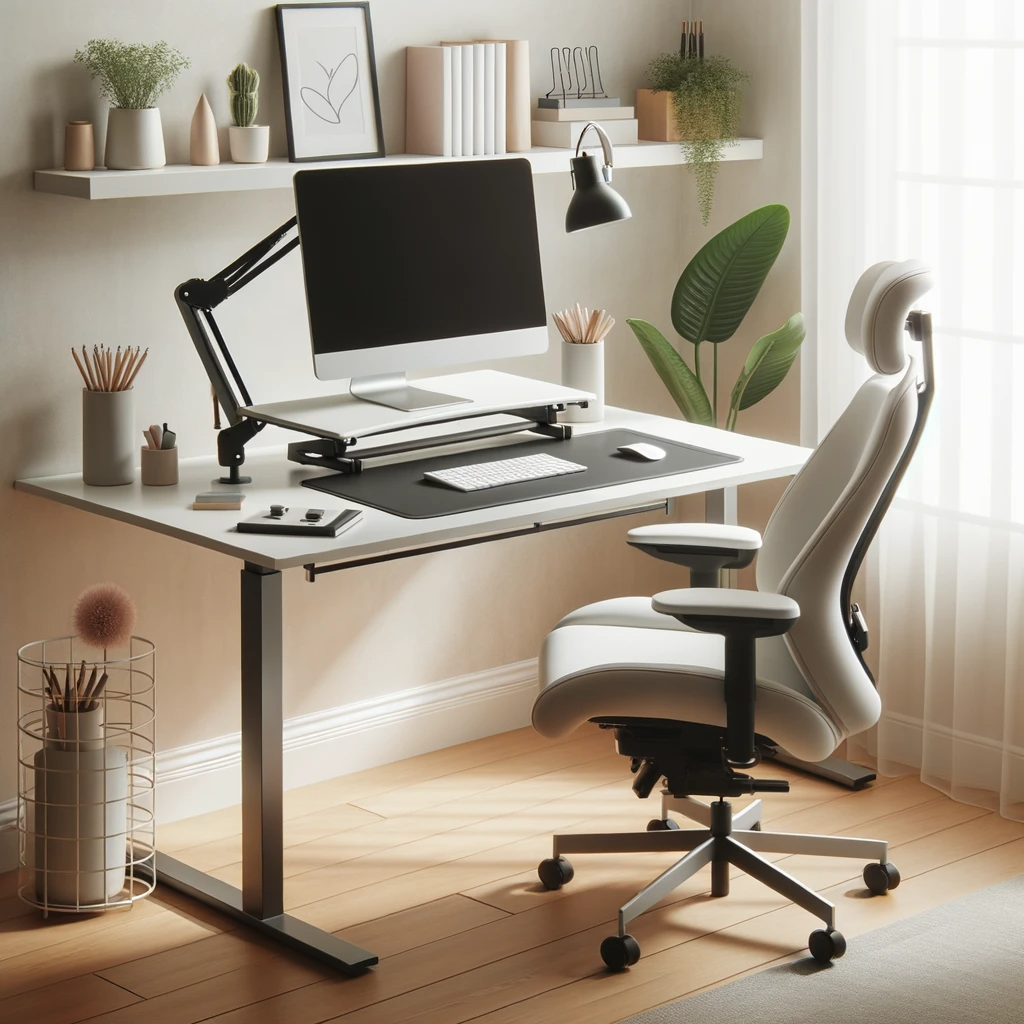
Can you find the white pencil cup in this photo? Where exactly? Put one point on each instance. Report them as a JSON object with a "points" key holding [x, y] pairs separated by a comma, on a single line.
{"points": [[583, 369]]}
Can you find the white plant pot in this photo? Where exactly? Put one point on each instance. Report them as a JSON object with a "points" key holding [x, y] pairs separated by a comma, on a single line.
{"points": [[135, 139], [583, 369], [80, 812], [249, 145]]}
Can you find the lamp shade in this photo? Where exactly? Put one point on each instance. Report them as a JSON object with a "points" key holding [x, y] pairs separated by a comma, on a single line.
{"points": [[594, 201]]}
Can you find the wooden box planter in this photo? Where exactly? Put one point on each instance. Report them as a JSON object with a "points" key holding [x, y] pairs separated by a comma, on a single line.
{"points": [[656, 115]]}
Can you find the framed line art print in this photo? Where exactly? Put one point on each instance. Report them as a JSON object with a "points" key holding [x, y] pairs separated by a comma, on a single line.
{"points": [[331, 103]]}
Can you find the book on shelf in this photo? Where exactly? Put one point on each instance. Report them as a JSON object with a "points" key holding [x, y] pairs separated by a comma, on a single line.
{"points": [[600, 114], [566, 134], [510, 104], [456, 114], [489, 94], [428, 100]]}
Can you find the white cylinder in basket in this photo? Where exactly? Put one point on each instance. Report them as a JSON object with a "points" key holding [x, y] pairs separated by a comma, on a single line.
{"points": [[80, 812], [135, 139], [583, 369]]}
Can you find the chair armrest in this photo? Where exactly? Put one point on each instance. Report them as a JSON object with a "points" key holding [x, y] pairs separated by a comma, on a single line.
{"points": [[729, 612], [741, 616], [704, 548]]}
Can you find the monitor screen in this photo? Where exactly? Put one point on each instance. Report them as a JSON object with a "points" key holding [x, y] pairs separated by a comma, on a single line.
{"points": [[404, 255]]}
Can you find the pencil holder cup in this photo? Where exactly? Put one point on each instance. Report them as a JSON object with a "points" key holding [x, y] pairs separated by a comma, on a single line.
{"points": [[85, 794], [583, 369], [108, 437], [159, 466]]}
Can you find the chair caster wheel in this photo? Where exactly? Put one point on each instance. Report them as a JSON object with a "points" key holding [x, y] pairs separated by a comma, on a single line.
{"points": [[880, 878], [826, 945], [663, 825], [619, 952], [554, 873]]}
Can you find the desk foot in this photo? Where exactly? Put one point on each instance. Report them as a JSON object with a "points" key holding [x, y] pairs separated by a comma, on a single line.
{"points": [[288, 931]]}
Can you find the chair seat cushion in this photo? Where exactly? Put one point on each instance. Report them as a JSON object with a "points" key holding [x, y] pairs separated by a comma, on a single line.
{"points": [[622, 667]]}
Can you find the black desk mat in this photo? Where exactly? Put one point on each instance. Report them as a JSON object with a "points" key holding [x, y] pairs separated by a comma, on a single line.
{"points": [[401, 490]]}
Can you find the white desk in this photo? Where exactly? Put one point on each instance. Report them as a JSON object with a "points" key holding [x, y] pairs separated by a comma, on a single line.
{"points": [[378, 537]]}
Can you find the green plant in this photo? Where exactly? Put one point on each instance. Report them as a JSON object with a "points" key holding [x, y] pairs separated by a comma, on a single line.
{"points": [[707, 100], [713, 295], [243, 84], [132, 75]]}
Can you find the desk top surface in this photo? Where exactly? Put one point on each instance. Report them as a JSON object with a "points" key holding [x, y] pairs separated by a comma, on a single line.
{"points": [[168, 510]]}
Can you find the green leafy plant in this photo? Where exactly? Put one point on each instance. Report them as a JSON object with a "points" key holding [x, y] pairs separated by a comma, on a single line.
{"points": [[713, 295], [132, 75], [243, 84], [706, 98]]}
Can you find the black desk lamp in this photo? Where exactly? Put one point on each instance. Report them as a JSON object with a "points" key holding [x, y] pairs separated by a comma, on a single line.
{"points": [[594, 201]]}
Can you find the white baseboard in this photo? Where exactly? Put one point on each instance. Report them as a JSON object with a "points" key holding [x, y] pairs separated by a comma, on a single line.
{"points": [[206, 776], [978, 762]]}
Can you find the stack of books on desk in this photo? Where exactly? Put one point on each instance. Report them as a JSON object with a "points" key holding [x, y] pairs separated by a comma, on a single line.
{"points": [[468, 98], [560, 122]]}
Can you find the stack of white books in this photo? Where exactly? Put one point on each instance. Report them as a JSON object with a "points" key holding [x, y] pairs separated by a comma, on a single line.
{"points": [[468, 99], [561, 126]]}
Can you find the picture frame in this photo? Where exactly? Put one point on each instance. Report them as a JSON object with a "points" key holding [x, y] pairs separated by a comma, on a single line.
{"points": [[329, 72]]}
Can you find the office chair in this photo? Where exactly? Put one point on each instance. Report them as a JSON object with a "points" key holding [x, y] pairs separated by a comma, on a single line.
{"points": [[698, 683]]}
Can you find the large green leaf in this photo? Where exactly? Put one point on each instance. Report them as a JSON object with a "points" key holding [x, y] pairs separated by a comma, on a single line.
{"points": [[687, 392], [768, 363], [720, 283]]}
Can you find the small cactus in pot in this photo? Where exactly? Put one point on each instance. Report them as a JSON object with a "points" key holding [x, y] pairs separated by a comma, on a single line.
{"points": [[250, 142]]}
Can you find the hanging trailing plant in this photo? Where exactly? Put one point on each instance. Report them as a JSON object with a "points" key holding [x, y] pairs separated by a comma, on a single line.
{"points": [[707, 100]]}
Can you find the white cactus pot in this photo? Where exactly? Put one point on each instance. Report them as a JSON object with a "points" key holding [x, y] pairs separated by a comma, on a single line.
{"points": [[249, 145]]}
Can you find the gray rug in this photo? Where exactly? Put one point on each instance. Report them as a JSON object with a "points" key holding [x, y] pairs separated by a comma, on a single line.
{"points": [[961, 963]]}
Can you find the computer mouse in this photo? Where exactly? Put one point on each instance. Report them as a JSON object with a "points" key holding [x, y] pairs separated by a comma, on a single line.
{"points": [[643, 452]]}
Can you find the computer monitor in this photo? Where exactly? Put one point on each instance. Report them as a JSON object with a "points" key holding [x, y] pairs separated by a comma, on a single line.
{"points": [[413, 266]]}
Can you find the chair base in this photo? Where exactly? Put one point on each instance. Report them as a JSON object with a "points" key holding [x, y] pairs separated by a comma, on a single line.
{"points": [[726, 840]]}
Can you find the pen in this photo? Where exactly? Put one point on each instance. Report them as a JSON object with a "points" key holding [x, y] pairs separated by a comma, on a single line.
{"points": [[682, 41], [700, 40]]}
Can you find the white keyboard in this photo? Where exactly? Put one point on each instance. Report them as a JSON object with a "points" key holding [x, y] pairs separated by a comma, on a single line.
{"points": [[506, 471]]}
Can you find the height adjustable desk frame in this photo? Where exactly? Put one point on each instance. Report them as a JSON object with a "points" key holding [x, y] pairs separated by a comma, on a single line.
{"points": [[197, 299]]}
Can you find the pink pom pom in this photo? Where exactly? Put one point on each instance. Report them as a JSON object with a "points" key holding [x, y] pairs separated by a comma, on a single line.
{"points": [[105, 615]]}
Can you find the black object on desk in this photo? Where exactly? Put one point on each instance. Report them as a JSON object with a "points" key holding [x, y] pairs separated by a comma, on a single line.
{"points": [[401, 490], [306, 522]]}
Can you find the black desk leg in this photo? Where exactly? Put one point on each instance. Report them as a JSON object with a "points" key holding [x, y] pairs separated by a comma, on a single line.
{"points": [[260, 903]]}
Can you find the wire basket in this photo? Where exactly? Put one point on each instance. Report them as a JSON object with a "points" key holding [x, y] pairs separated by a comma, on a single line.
{"points": [[86, 752]]}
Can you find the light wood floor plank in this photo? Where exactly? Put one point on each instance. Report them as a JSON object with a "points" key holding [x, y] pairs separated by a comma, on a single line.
{"points": [[66, 1002], [132, 936]]}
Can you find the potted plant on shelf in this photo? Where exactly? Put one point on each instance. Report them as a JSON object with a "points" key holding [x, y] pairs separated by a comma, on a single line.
{"points": [[250, 143], [133, 76], [712, 297], [706, 104]]}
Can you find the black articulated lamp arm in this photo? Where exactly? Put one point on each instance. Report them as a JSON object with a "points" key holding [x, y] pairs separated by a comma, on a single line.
{"points": [[196, 301]]}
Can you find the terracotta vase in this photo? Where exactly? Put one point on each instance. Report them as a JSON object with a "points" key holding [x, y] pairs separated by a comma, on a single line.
{"points": [[203, 147], [79, 148]]}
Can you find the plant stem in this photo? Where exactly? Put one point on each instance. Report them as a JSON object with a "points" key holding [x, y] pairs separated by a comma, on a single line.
{"points": [[696, 361], [714, 401]]}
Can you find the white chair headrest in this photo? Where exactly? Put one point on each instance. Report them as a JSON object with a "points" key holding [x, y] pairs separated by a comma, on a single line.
{"points": [[878, 309]]}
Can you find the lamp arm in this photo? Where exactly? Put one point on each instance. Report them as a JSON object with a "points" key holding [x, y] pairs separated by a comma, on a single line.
{"points": [[196, 299], [606, 146]]}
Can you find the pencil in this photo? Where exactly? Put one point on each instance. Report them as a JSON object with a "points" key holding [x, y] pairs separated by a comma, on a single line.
{"points": [[135, 372]]}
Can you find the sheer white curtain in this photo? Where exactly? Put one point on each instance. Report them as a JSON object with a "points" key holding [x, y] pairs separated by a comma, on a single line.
{"points": [[920, 153]]}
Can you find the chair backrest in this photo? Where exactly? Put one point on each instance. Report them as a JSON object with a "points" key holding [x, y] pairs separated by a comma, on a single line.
{"points": [[818, 532]]}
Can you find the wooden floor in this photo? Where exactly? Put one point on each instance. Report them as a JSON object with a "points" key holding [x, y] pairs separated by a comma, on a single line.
{"points": [[431, 863]]}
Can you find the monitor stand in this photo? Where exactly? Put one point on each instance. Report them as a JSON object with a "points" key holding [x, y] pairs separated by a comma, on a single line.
{"points": [[394, 391]]}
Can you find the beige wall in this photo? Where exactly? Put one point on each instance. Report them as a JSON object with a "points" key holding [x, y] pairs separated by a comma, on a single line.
{"points": [[74, 272]]}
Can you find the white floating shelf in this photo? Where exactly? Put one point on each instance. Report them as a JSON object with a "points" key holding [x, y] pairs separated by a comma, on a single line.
{"points": [[183, 179]]}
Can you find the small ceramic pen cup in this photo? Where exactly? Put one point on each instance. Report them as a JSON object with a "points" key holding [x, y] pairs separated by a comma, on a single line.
{"points": [[159, 467]]}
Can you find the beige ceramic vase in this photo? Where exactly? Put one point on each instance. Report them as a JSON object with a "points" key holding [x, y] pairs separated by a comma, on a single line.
{"points": [[203, 147], [79, 149]]}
